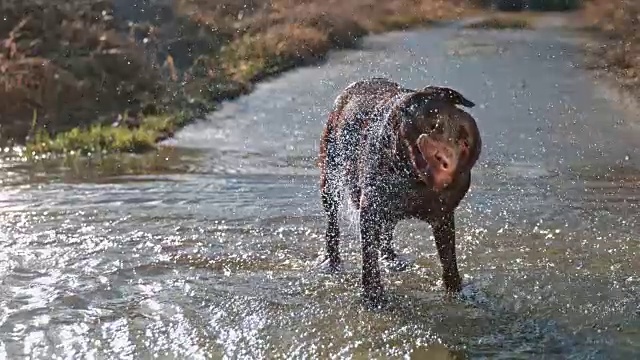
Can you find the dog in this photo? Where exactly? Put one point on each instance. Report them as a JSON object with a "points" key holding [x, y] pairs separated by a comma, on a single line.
{"points": [[395, 153]]}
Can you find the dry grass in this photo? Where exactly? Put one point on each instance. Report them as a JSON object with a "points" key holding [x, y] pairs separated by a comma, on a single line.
{"points": [[619, 22], [267, 37], [79, 63], [255, 56], [69, 62]]}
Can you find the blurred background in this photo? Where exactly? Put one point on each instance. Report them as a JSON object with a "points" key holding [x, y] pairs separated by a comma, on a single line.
{"points": [[67, 64]]}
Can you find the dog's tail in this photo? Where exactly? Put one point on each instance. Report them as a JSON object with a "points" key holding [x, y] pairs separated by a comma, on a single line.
{"points": [[331, 125], [327, 138]]}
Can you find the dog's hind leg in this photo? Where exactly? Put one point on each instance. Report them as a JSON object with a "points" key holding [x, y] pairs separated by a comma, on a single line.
{"points": [[390, 259], [332, 260], [330, 204]]}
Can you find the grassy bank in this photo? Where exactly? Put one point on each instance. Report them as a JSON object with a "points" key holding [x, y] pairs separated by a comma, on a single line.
{"points": [[618, 48], [95, 76], [503, 21]]}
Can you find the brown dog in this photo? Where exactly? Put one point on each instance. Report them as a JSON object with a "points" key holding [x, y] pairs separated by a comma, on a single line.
{"points": [[396, 153]]}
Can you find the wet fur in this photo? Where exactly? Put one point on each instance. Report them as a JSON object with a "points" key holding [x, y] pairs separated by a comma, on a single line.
{"points": [[366, 159]]}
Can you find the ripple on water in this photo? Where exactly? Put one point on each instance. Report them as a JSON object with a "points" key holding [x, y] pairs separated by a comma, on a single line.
{"points": [[107, 270]]}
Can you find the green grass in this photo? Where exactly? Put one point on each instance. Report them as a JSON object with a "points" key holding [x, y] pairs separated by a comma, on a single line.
{"points": [[101, 139]]}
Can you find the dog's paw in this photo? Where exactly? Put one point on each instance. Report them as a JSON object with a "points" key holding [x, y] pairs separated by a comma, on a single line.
{"points": [[327, 265], [452, 287], [374, 300], [396, 263]]}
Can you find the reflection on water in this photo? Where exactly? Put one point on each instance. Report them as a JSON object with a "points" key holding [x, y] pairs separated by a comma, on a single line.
{"points": [[205, 251], [113, 168]]}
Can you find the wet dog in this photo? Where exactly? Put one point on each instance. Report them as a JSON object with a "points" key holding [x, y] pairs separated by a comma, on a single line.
{"points": [[395, 153]]}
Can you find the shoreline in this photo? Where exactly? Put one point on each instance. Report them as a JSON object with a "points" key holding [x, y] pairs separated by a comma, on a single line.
{"points": [[202, 58], [148, 128]]}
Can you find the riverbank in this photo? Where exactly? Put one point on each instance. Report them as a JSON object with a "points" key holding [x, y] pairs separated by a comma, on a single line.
{"points": [[93, 76], [616, 50], [104, 76]]}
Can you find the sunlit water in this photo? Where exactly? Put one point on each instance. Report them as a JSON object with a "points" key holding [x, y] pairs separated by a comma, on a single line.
{"points": [[206, 250]]}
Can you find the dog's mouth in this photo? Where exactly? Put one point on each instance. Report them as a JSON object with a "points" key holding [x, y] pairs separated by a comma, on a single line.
{"points": [[439, 163]]}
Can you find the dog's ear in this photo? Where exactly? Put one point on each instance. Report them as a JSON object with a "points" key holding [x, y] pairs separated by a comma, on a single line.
{"points": [[447, 94]]}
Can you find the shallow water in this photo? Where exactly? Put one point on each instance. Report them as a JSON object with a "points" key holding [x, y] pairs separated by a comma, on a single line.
{"points": [[205, 249]]}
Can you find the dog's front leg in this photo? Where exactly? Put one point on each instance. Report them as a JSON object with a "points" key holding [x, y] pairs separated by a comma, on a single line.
{"points": [[372, 216], [444, 231]]}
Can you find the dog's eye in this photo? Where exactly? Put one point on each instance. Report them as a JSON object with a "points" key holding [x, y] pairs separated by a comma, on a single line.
{"points": [[463, 136]]}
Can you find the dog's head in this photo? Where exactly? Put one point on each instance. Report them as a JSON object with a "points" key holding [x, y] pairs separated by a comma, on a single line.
{"points": [[443, 140]]}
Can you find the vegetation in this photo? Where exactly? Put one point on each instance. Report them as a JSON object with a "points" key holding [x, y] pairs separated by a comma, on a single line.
{"points": [[619, 53], [100, 138], [96, 76], [501, 22], [115, 76]]}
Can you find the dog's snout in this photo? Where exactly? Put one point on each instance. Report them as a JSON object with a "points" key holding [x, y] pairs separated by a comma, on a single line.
{"points": [[443, 160]]}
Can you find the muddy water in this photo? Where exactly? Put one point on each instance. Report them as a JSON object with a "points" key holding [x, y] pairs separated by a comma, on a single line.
{"points": [[204, 250]]}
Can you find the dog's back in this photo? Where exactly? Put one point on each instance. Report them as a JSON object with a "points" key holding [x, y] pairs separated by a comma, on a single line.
{"points": [[345, 132]]}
